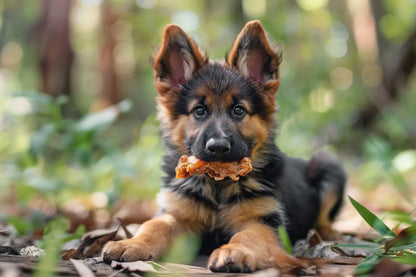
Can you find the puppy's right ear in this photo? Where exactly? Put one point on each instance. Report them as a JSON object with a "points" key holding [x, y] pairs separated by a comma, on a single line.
{"points": [[176, 61]]}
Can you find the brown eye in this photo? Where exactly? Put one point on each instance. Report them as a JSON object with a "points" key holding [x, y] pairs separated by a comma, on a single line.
{"points": [[239, 111], [199, 111]]}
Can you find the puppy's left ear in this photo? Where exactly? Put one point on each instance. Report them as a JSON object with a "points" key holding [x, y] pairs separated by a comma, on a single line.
{"points": [[254, 56]]}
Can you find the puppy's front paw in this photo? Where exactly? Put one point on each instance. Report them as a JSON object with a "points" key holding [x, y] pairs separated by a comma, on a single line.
{"points": [[127, 250], [233, 258]]}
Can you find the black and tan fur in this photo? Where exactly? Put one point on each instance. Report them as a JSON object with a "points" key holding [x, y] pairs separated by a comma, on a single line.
{"points": [[224, 111]]}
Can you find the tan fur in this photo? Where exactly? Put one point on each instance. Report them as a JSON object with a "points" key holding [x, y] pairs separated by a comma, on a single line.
{"points": [[178, 132], [150, 242], [255, 127], [252, 248], [196, 217], [193, 216], [324, 224], [237, 215]]}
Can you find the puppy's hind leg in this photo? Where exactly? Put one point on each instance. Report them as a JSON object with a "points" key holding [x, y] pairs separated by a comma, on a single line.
{"points": [[328, 176]]}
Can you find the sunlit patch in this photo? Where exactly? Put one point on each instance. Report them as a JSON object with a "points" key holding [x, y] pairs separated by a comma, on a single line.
{"points": [[188, 20], [11, 55], [405, 160], [321, 99], [99, 199], [102, 217], [310, 5], [92, 2], [336, 48], [19, 106], [254, 8], [85, 18], [146, 4], [341, 78]]}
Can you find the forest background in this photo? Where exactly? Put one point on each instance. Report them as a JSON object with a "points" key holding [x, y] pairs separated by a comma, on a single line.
{"points": [[78, 134]]}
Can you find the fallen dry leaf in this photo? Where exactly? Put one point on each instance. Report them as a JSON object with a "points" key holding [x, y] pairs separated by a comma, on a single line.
{"points": [[94, 241], [99, 243], [82, 269], [140, 266]]}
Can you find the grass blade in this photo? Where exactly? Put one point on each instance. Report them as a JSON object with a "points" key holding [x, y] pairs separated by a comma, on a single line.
{"points": [[408, 259], [369, 246], [411, 246], [376, 223], [406, 236], [284, 238], [367, 264]]}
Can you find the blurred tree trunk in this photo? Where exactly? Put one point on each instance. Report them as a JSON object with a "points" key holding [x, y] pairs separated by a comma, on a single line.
{"points": [[55, 51], [378, 11], [394, 79], [110, 91]]}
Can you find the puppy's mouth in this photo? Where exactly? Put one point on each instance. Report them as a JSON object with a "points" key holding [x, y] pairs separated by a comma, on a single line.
{"points": [[218, 170]]}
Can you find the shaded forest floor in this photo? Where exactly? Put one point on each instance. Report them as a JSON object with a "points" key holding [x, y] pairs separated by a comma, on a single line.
{"points": [[12, 265], [79, 252], [80, 257]]}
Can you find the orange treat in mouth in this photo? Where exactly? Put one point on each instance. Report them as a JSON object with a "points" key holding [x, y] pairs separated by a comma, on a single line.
{"points": [[191, 165]]}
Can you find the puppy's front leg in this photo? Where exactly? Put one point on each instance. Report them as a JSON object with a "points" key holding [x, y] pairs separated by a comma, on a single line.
{"points": [[255, 247], [150, 242]]}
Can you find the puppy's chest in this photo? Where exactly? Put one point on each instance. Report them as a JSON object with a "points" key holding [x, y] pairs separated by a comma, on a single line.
{"points": [[209, 207]]}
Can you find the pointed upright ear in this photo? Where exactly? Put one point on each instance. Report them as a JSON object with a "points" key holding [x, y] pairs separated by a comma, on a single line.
{"points": [[254, 56], [177, 59]]}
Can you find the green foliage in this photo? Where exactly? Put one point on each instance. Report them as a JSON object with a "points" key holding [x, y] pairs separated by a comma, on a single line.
{"points": [[400, 248], [284, 238], [184, 249], [55, 234], [57, 158], [21, 226], [27, 226], [376, 223]]}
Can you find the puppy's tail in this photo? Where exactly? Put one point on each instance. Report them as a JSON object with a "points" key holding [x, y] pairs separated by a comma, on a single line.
{"points": [[327, 175]]}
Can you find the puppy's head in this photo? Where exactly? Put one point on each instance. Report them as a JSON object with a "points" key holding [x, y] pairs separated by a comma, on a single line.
{"points": [[217, 111]]}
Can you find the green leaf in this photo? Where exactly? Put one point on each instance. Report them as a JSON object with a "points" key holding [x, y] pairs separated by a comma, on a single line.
{"points": [[407, 259], [103, 118], [79, 232], [406, 236], [368, 263], [411, 246], [22, 226], [51, 242], [39, 139], [376, 223], [400, 216], [369, 246], [284, 238]]}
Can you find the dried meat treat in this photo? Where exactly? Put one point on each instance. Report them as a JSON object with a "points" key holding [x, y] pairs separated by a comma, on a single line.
{"points": [[191, 165]]}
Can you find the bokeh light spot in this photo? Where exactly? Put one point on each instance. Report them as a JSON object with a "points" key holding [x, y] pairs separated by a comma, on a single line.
{"points": [[310, 5], [189, 21], [321, 99], [254, 8], [341, 78]]}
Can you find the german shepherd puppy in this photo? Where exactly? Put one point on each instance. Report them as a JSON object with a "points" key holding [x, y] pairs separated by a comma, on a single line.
{"points": [[225, 111]]}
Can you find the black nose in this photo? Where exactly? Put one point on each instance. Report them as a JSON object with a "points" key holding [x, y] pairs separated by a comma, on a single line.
{"points": [[218, 146]]}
